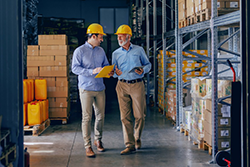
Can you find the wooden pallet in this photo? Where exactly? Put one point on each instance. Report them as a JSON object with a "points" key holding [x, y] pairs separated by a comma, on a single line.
{"points": [[203, 15], [63, 119], [186, 132], [191, 20], [36, 130], [199, 143], [160, 110], [9, 155], [182, 23], [207, 147]]}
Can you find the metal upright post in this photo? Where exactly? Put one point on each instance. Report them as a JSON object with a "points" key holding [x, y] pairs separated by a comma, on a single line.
{"points": [[141, 16], [178, 47], [147, 43], [164, 29], [209, 49], [235, 49], [214, 35], [136, 17], [172, 14], [155, 47], [230, 42]]}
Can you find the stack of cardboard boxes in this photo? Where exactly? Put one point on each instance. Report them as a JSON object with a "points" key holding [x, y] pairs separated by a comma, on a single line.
{"points": [[187, 65], [224, 125], [201, 127], [193, 11], [49, 60]]}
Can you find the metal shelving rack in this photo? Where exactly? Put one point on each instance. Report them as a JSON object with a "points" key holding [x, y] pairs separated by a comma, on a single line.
{"points": [[213, 25], [211, 28]]}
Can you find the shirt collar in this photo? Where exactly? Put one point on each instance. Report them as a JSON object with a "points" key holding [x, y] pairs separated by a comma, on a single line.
{"points": [[130, 47], [88, 44]]}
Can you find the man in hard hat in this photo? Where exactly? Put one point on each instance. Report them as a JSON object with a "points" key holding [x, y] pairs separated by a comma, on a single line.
{"points": [[131, 63], [88, 60]]}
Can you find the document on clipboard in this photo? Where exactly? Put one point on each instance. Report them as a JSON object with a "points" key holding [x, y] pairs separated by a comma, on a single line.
{"points": [[105, 71], [135, 68]]}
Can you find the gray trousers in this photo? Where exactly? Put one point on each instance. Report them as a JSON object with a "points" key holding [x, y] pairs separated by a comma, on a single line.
{"points": [[131, 97], [90, 99]]}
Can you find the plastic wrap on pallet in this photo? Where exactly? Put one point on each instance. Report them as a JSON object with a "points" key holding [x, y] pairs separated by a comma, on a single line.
{"points": [[187, 114], [224, 87]]}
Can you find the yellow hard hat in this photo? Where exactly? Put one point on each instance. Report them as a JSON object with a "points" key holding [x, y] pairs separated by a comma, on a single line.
{"points": [[95, 28], [124, 29]]}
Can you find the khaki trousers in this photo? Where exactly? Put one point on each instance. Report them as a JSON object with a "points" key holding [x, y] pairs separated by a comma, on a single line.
{"points": [[90, 99], [131, 97]]}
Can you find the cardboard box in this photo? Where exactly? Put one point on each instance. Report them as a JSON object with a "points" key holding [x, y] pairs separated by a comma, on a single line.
{"points": [[62, 82], [182, 9], [32, 71], [198, 87], [58, 92], [61, 61], [208, 138], [58, 102], [235, 4], [54, 50], [224, 144], [209, 106], [208, 116], [33, 50], [207, 127], [52, 40], [224, 122], [224, 133], [207, 4], [58, 112], [33, 61], [53, 71]]}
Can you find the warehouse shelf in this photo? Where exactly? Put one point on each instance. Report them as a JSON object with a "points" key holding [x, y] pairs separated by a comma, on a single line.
{"points": [[209, 27], [227, 19]]}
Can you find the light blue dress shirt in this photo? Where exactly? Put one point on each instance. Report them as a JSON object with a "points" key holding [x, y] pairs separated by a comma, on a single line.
{"points": [[85, 60], [125, 60]]}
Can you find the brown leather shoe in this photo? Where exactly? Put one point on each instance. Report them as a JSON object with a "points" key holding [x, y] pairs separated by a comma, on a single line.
{"points": [[128, 151], [138, 144], [90, 152], [99, 146]]}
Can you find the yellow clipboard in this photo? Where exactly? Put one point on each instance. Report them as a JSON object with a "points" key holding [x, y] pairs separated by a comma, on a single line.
{"points": [[105, 71]]}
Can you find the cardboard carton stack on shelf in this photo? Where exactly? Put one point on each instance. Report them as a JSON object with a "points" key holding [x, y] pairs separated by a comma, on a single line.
{"points": [[182, 13], [187, 65], [50, 61], [224, 122], [170, 102], [200, 10], [201, 127]]}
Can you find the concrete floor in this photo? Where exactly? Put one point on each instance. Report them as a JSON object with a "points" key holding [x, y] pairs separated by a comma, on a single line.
{"points": [[62, 145]]}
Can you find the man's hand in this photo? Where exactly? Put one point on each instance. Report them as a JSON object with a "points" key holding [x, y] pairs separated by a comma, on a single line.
{"points": [[111, 73], [117, 71], [97, 70], [139, 71]]}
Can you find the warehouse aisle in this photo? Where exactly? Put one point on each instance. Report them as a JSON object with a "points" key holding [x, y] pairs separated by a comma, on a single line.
{"points": [[62, 145]]}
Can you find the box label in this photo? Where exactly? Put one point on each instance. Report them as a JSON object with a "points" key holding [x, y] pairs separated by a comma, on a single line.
{"points": [[225, 110], [224, 133], [223, 121], [234, 5], [224, 144]]}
